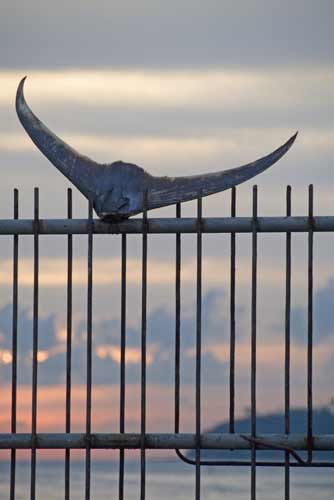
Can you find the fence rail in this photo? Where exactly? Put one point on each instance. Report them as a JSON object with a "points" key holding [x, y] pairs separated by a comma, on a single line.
{"points": [[287, 442], [162, 441], [167, 225]]}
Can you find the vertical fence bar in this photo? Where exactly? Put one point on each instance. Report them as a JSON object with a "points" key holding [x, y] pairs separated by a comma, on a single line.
{"points": [[143, 354], [14, 346], [68, 343], [310, 327], [122, 367], [35, 347], [287, 344], [177, 322], [198, 347], [253, 344], [89, 351], [232, 316]]}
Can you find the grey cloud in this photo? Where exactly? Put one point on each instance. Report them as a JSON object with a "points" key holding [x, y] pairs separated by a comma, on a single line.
{"points": [[183, 105], [162, 371], [186, 33], [160, 339], [47, 329], [47, 340], [323, 306]]}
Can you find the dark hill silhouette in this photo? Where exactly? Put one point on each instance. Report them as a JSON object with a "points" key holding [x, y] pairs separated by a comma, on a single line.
{"points": [[323, 423]]}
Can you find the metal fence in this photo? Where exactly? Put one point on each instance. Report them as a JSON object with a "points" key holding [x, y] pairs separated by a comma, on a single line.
{"points": [[290, 444]]}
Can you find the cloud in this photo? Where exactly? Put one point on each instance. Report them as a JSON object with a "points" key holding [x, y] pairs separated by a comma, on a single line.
{"points": [[152, 110], [225, 89], [323, 306], [160, 367], [53, 272], [150, 148], [106, 346], [49, 350], [185, 34], [161, 344], [47, 329]]}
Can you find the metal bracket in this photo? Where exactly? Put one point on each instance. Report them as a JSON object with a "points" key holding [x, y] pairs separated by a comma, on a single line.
{"points": [[258, 443]]}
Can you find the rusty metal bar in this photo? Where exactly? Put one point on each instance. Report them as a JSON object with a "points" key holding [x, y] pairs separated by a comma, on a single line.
{"points": [[259, 463], [89, 354], [198, 347], [253, 343], [287, 344], [232, 316], [35, 347], [177, 324], [122, 366], [310, 327], [68, 343], [265, 444], [298, 224], [14, 346], [162, 441], [143, 356]]}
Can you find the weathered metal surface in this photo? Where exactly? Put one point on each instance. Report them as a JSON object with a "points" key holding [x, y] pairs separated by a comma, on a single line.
{"points": [[254, 342], [287, 350], [34, 348], [15, 298], [198, 392], [143, 369], [163, 441], [170, 225], [117, 189], [69, 328], [89, 356]]}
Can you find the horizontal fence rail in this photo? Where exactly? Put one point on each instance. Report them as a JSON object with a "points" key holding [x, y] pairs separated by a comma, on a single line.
{"points": [[161, 441], [167, 225]]}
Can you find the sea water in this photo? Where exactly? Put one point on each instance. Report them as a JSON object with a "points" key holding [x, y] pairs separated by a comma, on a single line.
{"points": [[166, 480]]}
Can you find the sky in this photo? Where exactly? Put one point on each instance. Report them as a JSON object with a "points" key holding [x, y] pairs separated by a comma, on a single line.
{"points": [[178, 88]]}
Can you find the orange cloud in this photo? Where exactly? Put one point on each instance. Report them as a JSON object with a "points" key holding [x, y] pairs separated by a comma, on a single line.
{"points": [[132, 355], [53, 272], [193, 88], [5, 356]]}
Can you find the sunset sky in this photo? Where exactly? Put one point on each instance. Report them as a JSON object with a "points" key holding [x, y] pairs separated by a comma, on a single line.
{"points": [[178, 88]]}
